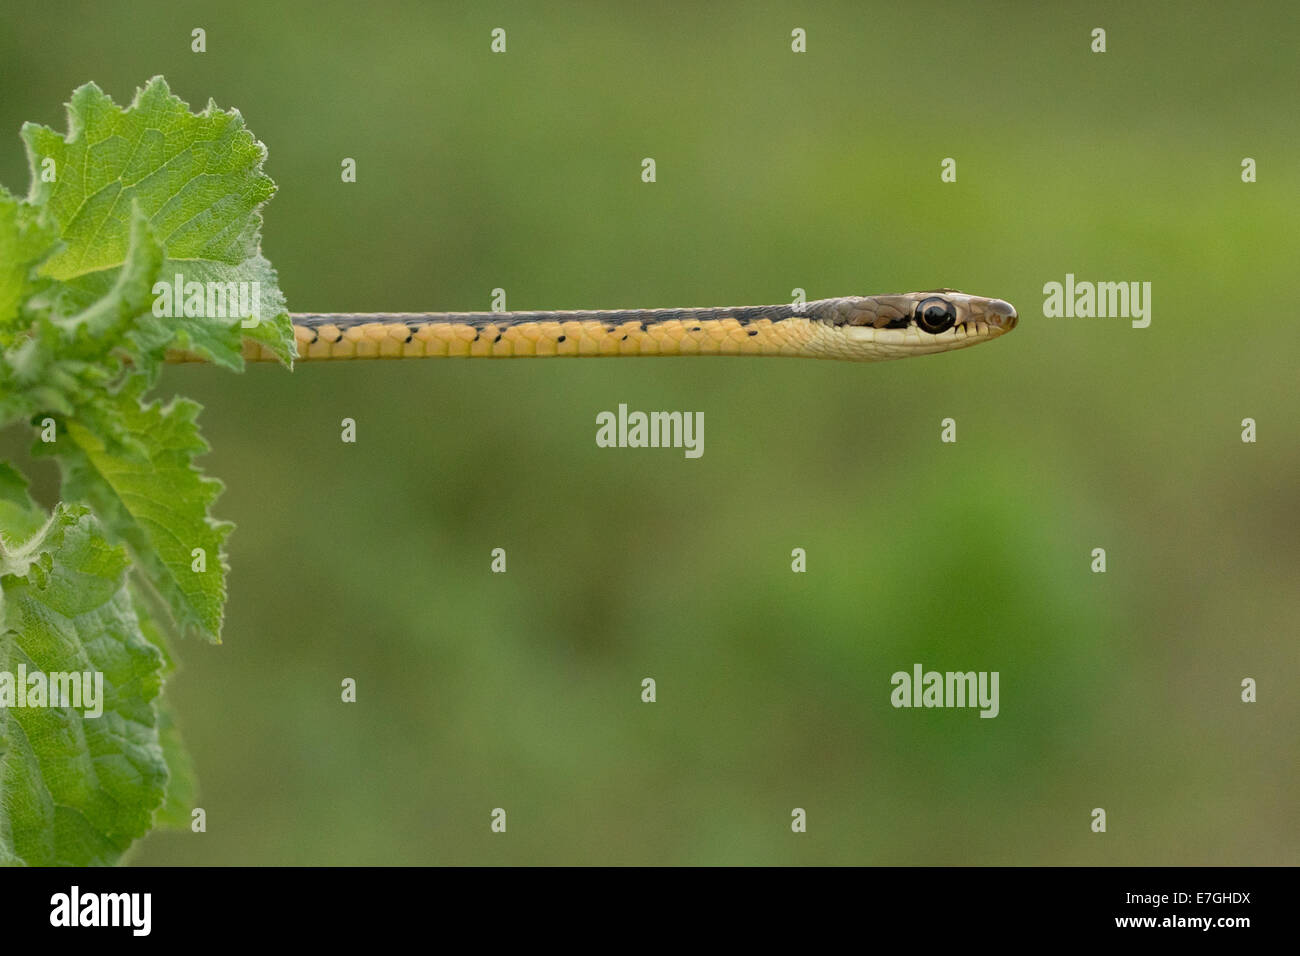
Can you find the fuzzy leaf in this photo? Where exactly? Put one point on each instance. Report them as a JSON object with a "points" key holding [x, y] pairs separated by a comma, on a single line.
{"points": [[158, 504], [198, 180], [77, 789]]}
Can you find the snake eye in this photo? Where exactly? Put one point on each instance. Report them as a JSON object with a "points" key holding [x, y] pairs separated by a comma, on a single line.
{"points": [[935, 315]]}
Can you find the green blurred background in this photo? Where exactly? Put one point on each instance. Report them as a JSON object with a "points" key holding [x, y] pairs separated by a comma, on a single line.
{"points": [[775, 171]]}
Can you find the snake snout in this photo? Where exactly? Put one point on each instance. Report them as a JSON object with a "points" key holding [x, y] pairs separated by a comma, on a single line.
{"points": [[1002, 314]]}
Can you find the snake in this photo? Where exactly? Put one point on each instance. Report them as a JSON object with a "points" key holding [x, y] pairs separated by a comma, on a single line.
{"points": [[853, 328]]}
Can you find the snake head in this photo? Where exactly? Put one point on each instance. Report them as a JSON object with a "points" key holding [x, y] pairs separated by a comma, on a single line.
{"points": [[917, 323]]}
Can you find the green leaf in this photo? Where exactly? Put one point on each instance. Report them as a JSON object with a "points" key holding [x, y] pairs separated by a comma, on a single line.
{"points": [[20, 518], [66, 365], [157, 503], [24, 240], [139, 226], [197, 179], [77, 789]]}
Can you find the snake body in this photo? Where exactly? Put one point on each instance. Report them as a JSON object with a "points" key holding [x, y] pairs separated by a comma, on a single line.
{"points": [[855, 328]]}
